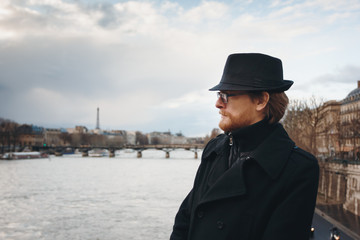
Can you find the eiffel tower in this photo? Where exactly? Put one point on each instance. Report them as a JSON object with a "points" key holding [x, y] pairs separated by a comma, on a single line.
{"points": [[98, 119]]}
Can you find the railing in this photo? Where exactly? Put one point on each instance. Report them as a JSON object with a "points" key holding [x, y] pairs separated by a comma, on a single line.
{"points": [[193, 146], [164, 146], [342, 161], [167, 148]]}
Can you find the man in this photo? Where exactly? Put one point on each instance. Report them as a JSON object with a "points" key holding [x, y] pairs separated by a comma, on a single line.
{"points": [[253, 182]]}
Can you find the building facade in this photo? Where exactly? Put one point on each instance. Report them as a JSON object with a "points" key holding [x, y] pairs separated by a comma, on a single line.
{"points": [[338, 145], [339, 183], [328, 132], [30, 135], [338, 134], [350, 124]]}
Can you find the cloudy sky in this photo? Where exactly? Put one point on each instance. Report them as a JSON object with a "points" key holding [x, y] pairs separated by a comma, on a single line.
{"points": [[148, 64]]}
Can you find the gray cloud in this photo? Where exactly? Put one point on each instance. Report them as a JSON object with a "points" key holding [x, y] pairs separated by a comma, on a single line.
{"points": [[148, 65], [334, 85], [110, 18], [345, 75]]}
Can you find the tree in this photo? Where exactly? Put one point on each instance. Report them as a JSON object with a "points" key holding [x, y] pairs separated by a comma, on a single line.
{"points": [[314, 115], [302, 121], [76, 140], [65, 138], [115, 141], [141, 138], [155, 140], [8, 134], [295, 123]]}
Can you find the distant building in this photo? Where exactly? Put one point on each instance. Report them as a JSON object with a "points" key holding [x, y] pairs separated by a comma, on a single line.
{"points": [[339, 129], [166, 138], [179, 139], [52, 137], [338, 145], [70, 130], [350, 123], [117, 133], [159, 137], [130, 137], [339, 183], [30, 135], [328, 132], [81, 129]]}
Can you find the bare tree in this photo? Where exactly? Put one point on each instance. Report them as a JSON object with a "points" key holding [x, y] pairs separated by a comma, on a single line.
{"points": [[315, 115], [97, 140], [155, 140], [9, 135], [65, 138], [115, 141], [302, 121], [141, 138], [295, 123], [76, 140]]}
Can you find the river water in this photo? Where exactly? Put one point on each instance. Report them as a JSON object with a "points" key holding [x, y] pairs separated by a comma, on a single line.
{"points": [[74, 197]]}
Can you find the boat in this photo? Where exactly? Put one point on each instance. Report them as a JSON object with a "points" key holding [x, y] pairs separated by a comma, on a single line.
{"points": [[98, 152], [68, 151], [128, 150], [23, 155]]}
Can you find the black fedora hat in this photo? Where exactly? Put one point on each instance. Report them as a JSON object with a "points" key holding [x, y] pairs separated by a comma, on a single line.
{"points": [[253, 72]]}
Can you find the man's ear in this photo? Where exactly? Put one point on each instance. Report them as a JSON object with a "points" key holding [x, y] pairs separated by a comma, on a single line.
{"points": [[263, 101]]}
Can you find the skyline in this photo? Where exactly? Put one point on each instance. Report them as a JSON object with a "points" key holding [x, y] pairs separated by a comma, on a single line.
{"points": [[148, 65], [97, 127]]}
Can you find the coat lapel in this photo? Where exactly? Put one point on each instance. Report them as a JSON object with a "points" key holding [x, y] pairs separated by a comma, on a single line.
{"points": [[229, 184], [271, 155]]}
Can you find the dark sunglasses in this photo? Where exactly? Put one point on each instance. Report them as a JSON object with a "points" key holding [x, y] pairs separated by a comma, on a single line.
{"points": [[224, 96]]}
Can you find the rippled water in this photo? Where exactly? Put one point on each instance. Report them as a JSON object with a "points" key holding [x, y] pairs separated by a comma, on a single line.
{"points": [[72, 197]]}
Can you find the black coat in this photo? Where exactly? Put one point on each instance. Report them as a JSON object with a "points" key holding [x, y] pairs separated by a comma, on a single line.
{"points": [[268, 194]]}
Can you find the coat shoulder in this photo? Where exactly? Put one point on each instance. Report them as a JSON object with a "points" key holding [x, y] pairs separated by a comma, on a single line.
{"points": [[299, 154], [214, 146], [216, 139]]}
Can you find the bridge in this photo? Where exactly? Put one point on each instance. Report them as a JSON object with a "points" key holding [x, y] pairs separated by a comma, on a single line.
{"points": [[167, 148]]}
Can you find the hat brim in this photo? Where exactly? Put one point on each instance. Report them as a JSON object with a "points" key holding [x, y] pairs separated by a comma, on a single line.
{"points": [[236, 87]]}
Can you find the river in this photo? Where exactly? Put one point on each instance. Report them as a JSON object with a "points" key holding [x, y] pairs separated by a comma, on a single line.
{"points": [[74, 197]]}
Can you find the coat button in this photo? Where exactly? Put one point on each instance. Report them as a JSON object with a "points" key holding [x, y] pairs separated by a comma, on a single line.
{"points": [[200, 214], [220, 225]]}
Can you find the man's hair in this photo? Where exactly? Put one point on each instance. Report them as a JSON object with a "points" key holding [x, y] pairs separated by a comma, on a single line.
{"points": [[276, 107]]}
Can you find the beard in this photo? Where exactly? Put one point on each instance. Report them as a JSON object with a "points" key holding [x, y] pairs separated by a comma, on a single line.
{"points": [[231, 122]]}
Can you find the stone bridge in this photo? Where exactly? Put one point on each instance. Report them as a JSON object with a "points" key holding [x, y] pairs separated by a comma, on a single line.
{"points": [[167, 148]]}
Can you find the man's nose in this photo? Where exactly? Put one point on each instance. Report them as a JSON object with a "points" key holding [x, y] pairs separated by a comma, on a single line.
{"points": [[219, 103]]}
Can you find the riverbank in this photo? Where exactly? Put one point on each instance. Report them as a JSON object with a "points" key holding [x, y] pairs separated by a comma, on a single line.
{"points": [[344, 220]]}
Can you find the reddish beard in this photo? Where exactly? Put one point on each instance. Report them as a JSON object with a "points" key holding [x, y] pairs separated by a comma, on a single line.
{"points": [[225, 122], [230, 122]]}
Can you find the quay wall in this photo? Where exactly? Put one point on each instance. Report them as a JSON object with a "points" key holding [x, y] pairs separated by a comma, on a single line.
{"points": [[339, 183]]}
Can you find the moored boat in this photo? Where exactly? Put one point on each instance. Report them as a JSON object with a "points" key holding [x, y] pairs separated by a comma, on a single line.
{"points": [[23, 155], [98, 152]]}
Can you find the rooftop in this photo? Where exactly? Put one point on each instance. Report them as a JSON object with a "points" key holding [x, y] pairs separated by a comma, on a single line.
{"points": [[353, 95]]}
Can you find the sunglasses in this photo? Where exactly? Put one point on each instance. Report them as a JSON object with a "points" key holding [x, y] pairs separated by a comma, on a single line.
{"points": [[224, 96]]}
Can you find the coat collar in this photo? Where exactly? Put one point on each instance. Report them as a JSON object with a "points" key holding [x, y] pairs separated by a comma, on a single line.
{"points": [[216, 146], [271, 154], [230, 184]]}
